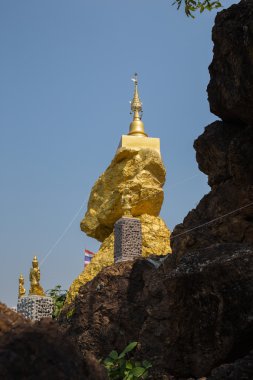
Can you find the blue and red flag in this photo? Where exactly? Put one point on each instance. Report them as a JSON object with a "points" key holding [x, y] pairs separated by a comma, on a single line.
{"points": [[88, 256]]}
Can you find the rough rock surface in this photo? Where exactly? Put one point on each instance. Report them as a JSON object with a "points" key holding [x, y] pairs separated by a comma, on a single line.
{"points": [[224, 150], [241, 369], [40, 351], [230, 89], [224, 153], [155, 241], [188, 317], [143, 172], [10, 320]]}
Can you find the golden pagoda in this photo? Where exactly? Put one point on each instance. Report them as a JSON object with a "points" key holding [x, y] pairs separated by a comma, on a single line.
{"points": [[137, 137]]}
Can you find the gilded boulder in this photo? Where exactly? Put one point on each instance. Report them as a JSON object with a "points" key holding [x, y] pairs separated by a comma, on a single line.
{"points": [[142, 172]]}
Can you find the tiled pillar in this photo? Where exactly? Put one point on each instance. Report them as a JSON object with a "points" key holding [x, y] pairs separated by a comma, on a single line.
{"points": [[127, 239]]}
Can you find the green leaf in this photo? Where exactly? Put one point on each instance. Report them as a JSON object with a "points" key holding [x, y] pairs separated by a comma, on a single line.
{"points": [[113, 355], [122, 355], [138, 371], [108, 360], [146, 364], [129, 376], [130, 347], [129, 365]]}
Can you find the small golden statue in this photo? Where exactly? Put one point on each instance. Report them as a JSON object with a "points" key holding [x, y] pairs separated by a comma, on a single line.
{"points": [[35, 288], [126, 203], [21, 289]]}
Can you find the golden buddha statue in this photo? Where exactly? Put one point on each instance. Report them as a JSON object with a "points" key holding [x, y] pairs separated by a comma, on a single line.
{"points": [[21, 289], [35, 287], [126, 203]]}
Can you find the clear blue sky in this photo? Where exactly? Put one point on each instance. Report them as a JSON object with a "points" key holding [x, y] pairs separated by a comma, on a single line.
{"points": [[65, 87]]}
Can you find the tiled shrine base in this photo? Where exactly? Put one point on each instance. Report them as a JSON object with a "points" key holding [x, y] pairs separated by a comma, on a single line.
{"points": [[35, 307], [127, 239]]}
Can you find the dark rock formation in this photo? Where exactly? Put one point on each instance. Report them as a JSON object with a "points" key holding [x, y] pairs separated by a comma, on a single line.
{"points": [[225, 150], [40, 351], [10, 320], [225, 154], [230, 89], [241, 369], [188, 317]]}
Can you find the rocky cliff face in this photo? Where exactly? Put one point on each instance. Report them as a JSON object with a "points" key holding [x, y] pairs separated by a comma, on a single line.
{"points": [[230, 89], [188, 317], [225, 150], [224, 153]]}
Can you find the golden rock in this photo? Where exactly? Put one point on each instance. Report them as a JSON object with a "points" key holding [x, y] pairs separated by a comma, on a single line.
{"points": [[140, 170], [132, 186], [155, 240]]}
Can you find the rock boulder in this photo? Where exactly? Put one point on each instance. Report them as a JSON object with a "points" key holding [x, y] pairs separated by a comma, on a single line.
{"points": [[140, 170], [230, 89], [188, 317]]}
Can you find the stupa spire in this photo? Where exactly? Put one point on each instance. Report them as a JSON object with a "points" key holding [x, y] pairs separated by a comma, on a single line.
{"points": [[137, 126]]}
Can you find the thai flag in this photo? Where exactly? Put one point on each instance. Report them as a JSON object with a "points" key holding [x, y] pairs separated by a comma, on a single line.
{"points": [[88, 256]]}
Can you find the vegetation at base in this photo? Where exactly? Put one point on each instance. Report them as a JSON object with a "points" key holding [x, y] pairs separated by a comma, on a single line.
{"points": [[58, 295], [191, 6], [70, 313], [122, 367]]}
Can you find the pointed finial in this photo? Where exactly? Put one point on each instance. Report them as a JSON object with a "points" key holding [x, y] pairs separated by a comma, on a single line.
{"points": [[137, 126], [136, 104]]}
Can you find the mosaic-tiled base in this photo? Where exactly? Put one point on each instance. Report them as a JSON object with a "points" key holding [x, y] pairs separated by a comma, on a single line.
{"points": [[127, 239], [35, 307]]}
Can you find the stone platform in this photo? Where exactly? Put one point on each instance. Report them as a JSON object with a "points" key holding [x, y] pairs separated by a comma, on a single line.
{"points": [[128, 239], [35, 307]]}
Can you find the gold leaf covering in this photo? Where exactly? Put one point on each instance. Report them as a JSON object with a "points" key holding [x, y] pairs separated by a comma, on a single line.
{"points": [[142, 172]]}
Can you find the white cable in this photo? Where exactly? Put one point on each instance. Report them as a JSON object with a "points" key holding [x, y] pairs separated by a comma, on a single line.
{"points": [[183, 181], [63, 234], [77, 213], [211, 221]]}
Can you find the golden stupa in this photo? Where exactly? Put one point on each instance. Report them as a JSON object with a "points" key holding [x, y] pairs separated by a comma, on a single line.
{"points": [[137, 169]]}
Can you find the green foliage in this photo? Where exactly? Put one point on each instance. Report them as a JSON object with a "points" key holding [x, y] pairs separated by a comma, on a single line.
{"points": [[70, 313], [121, 367], [58, 295], [191, 6]]}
